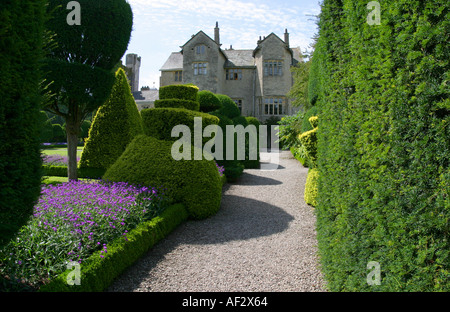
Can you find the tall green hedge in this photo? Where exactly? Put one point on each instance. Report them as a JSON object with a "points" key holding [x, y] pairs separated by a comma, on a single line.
{"points": [[21, 42], [383, 145], [116, 123]]}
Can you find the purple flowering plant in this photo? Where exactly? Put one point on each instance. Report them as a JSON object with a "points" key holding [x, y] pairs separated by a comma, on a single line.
{"points": [[73, 220], [221, 169]]}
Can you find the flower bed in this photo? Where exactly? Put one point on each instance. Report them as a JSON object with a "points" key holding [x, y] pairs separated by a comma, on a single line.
{"points": [[71, 222], [56, 160]]}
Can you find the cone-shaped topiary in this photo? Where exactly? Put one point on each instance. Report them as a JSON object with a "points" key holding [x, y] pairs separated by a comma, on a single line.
{"points": [[116, 123], [148, 161]]}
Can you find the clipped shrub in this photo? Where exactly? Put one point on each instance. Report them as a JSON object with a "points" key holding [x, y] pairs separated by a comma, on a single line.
{"points": [[250, 149], [253, 121], [306, 124], [148, 161], [309, 142], [116, 123], [159, 122], [182, 92], [233, 167], [311, 187], [314, 121], [178, 103], [240, 120], [229, 107], [208, 101], [59, 134]]}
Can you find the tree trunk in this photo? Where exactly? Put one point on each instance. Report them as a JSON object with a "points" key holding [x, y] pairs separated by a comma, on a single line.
{"points": [[72, 141], [73, 122]]}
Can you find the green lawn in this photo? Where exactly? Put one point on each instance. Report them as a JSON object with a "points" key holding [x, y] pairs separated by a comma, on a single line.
{"points": [[60, 151], [52, 180]]}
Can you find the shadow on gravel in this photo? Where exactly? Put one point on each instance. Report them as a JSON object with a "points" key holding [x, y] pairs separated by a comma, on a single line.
{"points": [[251, 179], [239, 218]]}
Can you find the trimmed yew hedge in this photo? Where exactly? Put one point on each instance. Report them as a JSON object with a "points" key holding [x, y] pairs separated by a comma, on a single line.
{"points": [[21, 40], [383, 144]]}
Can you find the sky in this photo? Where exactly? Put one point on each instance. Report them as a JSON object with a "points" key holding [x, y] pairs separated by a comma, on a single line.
{"points": [[160, 27]]}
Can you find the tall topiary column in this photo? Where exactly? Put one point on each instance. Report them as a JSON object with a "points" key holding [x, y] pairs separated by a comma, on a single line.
{"points": [[21, 41]]}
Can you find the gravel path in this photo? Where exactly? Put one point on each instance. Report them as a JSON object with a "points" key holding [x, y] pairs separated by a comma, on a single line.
{"points": [[263, 239]]}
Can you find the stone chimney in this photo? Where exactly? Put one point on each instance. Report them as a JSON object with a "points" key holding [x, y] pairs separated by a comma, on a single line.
{"points": [[286, 37], [216, 34]]}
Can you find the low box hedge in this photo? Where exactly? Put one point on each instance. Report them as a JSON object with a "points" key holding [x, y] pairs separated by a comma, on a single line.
{"points": [[61, 171], [98, 273]]}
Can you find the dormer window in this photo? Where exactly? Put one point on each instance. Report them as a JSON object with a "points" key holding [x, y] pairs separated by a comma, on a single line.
{"points": [[200, 49]]}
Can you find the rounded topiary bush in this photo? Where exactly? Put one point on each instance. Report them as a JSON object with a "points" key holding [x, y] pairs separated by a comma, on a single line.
{"points": [[148, 161], [208, 101], [182, 92], [253, 121], [309, 141], [229, 107]]}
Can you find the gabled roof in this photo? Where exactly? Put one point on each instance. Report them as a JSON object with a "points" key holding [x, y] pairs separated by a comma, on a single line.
{"points": [[146, 95], [271, 35], [239, 58], [197, 34], [174, 62]]}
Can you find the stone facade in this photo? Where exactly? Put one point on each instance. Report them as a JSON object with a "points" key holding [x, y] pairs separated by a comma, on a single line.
{"points": [[258, 80], [133, 64]]}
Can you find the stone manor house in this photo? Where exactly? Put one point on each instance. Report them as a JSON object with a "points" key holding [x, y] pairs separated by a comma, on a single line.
{"points": [[258, 79]]}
